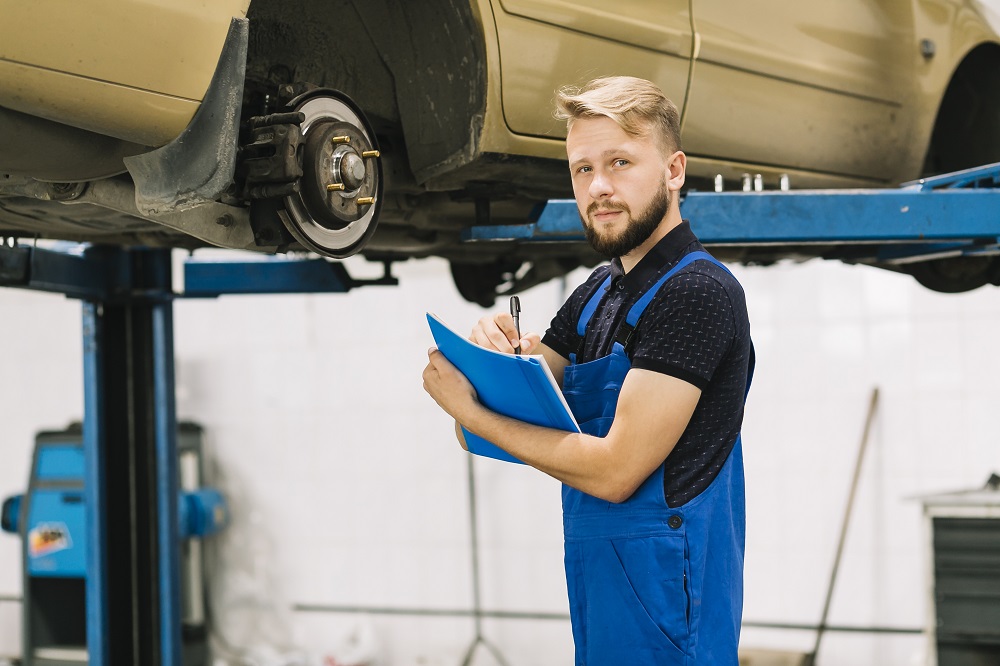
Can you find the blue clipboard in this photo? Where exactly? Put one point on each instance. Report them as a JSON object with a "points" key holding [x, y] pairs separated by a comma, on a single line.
{"points": [[521, 387]]}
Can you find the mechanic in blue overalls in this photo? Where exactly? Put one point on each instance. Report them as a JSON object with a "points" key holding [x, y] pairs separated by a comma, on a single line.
{"points": [[654, 356]]}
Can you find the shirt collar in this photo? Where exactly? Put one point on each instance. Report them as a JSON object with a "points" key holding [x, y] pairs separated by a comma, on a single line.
{"points": [[665, 252]]}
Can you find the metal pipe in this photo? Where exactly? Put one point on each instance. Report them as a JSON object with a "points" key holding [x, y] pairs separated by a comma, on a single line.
{"points": [[429, 612], [94, 449], [839, 628], [872, 408], [479, 639], [564, 617]]}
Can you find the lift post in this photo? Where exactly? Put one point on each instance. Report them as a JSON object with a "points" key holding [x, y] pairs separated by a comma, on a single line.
{"points": [[129, 441], [131, 479], [133, 616], [129, 437]]}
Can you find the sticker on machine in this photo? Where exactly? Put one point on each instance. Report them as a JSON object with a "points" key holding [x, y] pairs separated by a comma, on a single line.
{"points": [[47, 538]]}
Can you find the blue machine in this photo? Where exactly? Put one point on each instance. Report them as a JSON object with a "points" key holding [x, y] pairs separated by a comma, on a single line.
{"points": [[52, 521]]}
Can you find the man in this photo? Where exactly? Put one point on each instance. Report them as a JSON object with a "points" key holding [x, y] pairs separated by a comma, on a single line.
{"points": [[654, 356]]}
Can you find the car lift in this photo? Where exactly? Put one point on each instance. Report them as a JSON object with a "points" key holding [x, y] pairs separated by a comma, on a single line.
{"points": [[956, 214], [129, 409], [129, 424]]}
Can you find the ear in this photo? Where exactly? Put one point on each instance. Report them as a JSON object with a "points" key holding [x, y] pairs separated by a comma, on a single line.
{"points": [[676, 171]]}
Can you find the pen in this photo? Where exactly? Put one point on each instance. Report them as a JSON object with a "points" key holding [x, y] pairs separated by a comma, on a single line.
{"points": [[515, 311]]}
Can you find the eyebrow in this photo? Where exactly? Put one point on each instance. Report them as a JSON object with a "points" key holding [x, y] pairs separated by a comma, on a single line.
{"points": [[604, 155]]}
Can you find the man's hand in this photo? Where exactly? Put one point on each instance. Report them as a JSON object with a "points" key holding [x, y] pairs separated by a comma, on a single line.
{"points": [[449, 387], [453, 392], [498, 332]]}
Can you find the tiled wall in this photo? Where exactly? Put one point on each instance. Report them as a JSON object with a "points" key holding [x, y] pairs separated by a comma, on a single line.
{"points": [[348, 490]]}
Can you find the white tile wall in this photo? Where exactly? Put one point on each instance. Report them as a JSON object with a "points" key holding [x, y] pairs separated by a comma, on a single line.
{"points": [[348, 490]]}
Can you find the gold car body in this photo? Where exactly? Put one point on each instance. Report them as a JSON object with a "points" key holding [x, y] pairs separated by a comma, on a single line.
{"points": [[772, 86], [832, 93], [132, 70]]}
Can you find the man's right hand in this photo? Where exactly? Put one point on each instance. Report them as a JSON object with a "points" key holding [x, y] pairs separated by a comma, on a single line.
{"points": [[498, 332]]}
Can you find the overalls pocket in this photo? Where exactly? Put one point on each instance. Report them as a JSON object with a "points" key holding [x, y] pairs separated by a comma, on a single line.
{"points": [[594, 403], [598, 427], [654, 569]]}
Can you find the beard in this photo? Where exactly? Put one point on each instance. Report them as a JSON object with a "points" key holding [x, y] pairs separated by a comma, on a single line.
{"points": [[637, 229]]}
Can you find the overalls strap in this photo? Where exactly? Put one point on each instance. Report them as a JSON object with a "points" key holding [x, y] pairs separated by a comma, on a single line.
{"points": [[632, 318], [591, 307], [624, 334], [623, 337], [586, 314]]}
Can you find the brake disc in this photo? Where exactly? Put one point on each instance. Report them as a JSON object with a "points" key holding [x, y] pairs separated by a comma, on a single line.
{"points": [[336, 209]]}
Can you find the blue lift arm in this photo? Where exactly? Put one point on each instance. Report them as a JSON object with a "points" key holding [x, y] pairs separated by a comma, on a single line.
{"points": [[271, 275], [932, 218]]}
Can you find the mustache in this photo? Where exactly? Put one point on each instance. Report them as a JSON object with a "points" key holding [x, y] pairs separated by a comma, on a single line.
{"points": [[607, 207]]}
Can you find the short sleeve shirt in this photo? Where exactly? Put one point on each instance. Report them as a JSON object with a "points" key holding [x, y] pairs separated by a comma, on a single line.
{"points": [[696, 329]]}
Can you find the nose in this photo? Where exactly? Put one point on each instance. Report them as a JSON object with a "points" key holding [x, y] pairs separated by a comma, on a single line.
{"points": [[600, 186]]}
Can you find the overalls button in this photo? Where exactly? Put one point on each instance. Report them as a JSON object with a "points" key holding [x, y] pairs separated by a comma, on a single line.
{"points": [[674, 521]]}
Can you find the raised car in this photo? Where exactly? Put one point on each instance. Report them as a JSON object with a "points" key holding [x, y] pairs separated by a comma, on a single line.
{"points": [[390, 128]]}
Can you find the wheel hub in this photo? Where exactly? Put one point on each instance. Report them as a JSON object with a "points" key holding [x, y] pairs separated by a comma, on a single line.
{"points": [[336, 209]]}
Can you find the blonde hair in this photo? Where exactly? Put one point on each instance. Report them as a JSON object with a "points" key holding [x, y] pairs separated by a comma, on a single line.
{"points": [[634, 104]]}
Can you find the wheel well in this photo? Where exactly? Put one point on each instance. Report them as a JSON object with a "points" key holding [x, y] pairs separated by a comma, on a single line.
{"points": [[417, 70], [967, 128], [966, 134]]}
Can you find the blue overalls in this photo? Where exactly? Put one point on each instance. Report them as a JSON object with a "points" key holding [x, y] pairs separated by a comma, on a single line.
{"points": [[649, 584]]}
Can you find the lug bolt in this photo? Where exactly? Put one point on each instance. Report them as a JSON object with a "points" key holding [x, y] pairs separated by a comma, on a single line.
{"points": [[370, 153], [365, 201], [334, 187], [340, 139]]}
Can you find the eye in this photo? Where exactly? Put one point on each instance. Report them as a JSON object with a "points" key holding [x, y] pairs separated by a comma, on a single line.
{"points": [[620, 162], [584, 169]]}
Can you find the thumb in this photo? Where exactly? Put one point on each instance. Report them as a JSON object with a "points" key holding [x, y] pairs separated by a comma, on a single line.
{"points": [[530, 342]]}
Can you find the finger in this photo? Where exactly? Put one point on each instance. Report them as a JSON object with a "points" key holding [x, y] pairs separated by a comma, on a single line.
{"points": [[530, 342], [439, 364], [495, 332], [434, 358], [428, 375], [489, 334], [479, 335], [505, 323]]}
